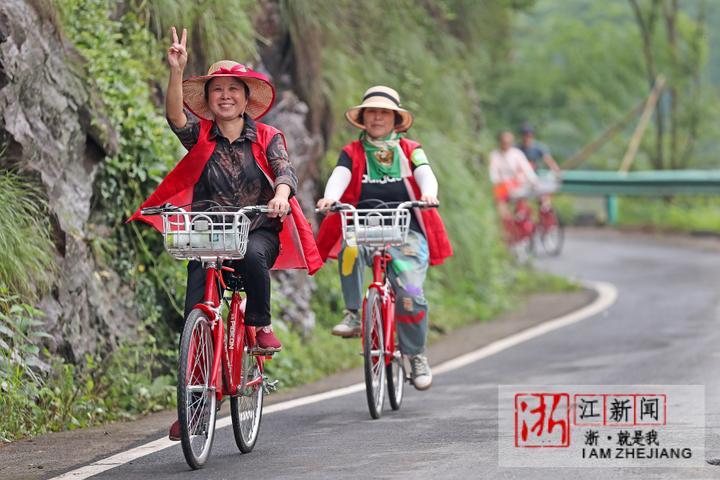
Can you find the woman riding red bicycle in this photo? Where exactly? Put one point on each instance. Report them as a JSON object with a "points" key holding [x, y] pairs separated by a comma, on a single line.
{"points": [[384, 165], [234, 160], [515, 183]]}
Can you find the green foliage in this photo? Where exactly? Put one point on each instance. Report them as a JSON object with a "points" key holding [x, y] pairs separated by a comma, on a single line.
{"points": [[122, 57], [63, 396], [27, 263], [577, 67], [427, 62], [20, 335], [681, 213], [217, 29], [309, 359]]}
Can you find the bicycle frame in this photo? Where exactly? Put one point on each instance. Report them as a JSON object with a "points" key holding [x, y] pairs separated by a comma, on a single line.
{"points": [[228, 351], [382, 285], [525, 223]]}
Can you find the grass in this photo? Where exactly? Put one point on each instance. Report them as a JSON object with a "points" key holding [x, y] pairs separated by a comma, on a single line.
{"points": [[681, 213], [217, 29], [62, 396], [27, 263]]}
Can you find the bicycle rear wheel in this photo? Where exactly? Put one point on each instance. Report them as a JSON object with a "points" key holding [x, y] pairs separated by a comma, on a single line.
{"points": [[196, 397], [246, 409], [395, 371], [373, 354]]}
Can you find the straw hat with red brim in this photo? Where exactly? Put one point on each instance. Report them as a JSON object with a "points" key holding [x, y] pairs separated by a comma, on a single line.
{"points": [[262, 93], [380, 97]]}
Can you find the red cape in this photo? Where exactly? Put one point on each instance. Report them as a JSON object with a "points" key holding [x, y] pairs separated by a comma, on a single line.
{"points": [[330, 235], [297, 245]]}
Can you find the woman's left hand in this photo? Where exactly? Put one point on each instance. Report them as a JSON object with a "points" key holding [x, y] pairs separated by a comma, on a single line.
{"points": [[279, 206], [430, 200]]}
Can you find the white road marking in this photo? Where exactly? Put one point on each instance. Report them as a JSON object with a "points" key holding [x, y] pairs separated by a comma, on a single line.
{"points": [[607, 294]]}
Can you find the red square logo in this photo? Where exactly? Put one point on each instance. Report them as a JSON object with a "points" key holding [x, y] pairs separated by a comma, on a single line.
{"points": [[542, 420]]}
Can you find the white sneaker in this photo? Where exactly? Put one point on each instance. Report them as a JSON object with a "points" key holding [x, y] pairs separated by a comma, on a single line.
{"points": [[349, 327], [420, 372]]}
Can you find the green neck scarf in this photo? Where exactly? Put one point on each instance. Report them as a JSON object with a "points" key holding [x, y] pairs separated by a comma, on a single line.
{"points": [[383, 156]]}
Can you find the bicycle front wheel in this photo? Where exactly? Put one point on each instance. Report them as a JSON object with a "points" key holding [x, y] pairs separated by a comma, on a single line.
{"points": [[373, 354], [395, 372], [246, 409], [196, 397], [552, 233]]}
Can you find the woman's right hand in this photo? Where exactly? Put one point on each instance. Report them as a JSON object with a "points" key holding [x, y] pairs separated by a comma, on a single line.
{"points": [[324, 203], [177, 53]]}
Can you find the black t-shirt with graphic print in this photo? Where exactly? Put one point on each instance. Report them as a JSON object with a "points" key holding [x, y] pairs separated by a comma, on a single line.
{"points": [[387, 189]]}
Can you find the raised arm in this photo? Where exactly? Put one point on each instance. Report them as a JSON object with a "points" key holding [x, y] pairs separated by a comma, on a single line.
{"points": [[550, 162], [177, 59]]}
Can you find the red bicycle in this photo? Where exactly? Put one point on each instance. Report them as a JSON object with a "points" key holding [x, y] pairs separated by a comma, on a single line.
{"points": [[525, 232], [215, 360], [378, 229]]}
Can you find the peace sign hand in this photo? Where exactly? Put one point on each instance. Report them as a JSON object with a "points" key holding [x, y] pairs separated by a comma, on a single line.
{"points": [[177, 53]]}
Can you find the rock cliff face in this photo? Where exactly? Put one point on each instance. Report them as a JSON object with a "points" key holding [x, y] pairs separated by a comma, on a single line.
{"points": [[55, 131], [53, 125], [296, 114]]}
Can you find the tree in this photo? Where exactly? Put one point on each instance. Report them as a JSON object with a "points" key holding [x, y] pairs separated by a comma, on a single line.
{"points": [[663, 55]]}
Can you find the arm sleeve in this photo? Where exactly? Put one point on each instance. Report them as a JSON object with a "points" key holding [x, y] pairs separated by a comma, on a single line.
{"points": [[418, 158], [493, 169], [279, 161], [188, 135], [337, 183], [426, 180], [526, 167]]}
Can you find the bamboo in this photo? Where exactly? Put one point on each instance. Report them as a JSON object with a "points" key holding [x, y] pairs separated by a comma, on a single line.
{"points": [[652, 100], [609, 132]]}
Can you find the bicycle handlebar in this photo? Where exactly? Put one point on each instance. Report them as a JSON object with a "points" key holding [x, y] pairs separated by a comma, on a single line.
{"points": [[337, 206], [167, 208]]}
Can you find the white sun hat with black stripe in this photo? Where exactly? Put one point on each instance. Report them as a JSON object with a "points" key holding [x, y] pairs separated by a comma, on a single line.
{"points": [[380, 97]]}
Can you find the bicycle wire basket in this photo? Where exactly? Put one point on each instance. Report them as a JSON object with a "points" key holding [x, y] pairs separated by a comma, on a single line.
{"points": [[209, 234], [375, 227], [546, 185]]}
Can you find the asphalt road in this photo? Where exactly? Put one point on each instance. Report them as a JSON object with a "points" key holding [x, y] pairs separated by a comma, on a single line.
{"points": [[663, 329]]}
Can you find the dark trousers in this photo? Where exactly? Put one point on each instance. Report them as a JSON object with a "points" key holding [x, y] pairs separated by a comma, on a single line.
{"points": [[262, 250]]}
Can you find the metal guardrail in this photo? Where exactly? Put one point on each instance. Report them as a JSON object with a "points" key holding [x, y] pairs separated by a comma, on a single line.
{"points": [[651, 183], [657, 183]]}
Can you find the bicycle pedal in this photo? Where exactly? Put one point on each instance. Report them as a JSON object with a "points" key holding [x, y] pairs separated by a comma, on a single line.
{"points": [[270, 387], [262, 353]]}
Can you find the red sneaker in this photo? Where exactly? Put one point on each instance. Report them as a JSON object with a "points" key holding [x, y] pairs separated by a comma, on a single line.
{"points": [[266, 340], [175, 431]]}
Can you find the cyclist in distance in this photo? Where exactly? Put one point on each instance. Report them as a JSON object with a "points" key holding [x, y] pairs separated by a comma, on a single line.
{"points": [[234, 160], [383, 165], [538, 154], [510, 171]]}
